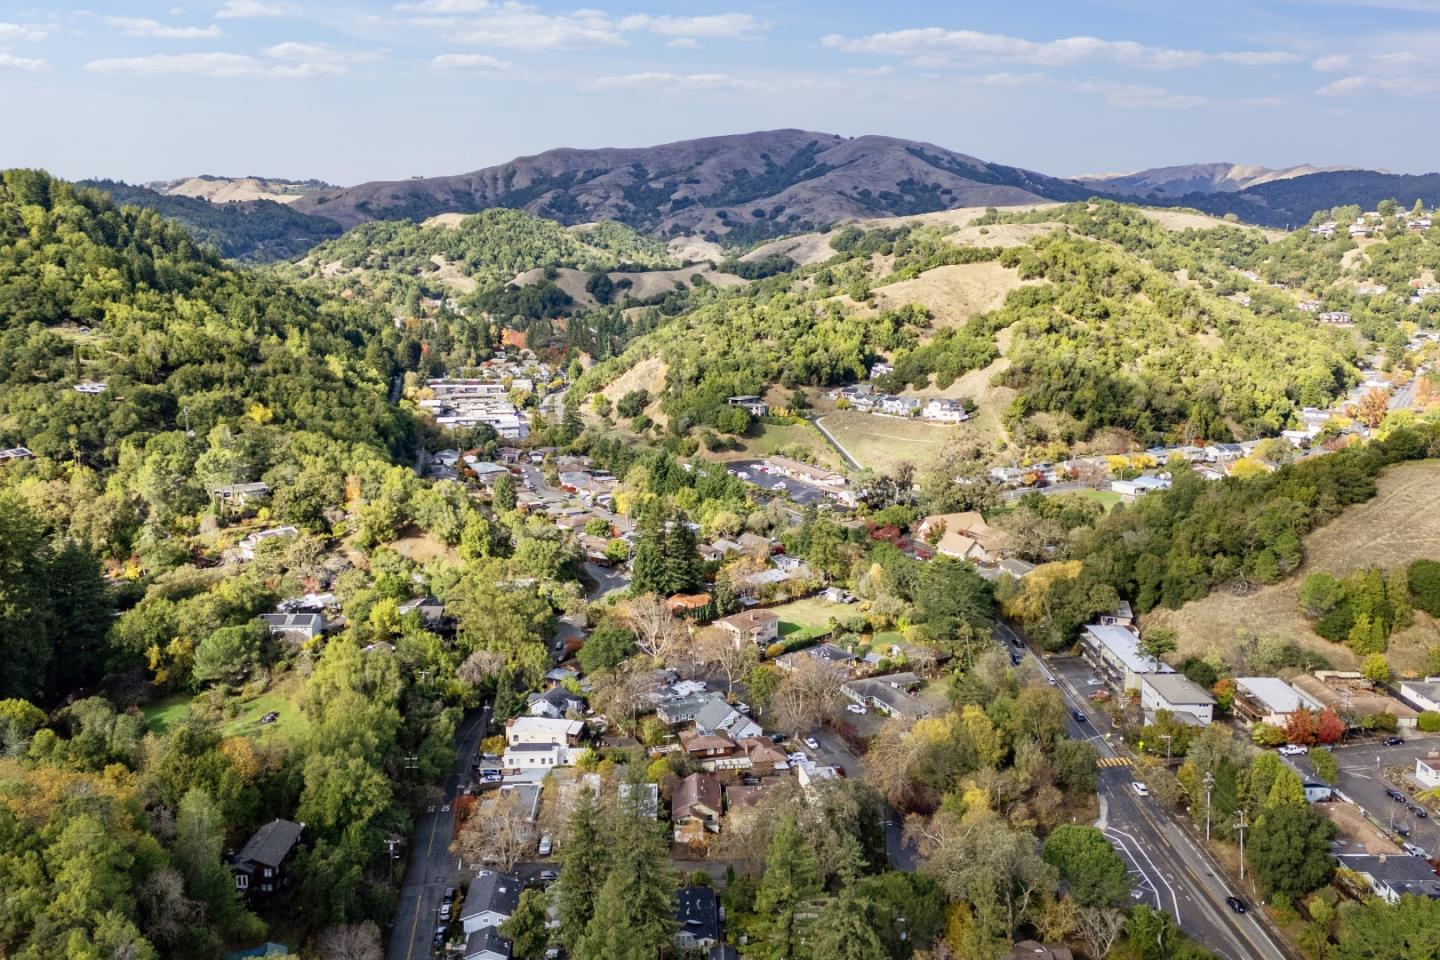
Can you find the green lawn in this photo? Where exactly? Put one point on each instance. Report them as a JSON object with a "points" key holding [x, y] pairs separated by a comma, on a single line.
{"points": [[1106, 498], [245, 718], [792, 632]]}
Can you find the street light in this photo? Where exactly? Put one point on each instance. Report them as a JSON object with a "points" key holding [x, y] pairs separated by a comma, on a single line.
{"points": [[1209, 785]]}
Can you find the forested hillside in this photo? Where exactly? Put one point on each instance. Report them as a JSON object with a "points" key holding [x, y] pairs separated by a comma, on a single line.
{"points": [[1125, 329], [258, 231]]}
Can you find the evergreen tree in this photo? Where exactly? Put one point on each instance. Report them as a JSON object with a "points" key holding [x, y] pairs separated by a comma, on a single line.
{"points": [[502, 494], [649, 572], [199, 838], [847, 931], [634, 913], [526, 928], [792, 876], [681, 559], [582, 872]]}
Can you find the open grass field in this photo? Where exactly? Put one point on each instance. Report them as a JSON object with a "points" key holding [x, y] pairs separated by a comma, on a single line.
{"points": [[765, 440], [955, 293], [244, 720], [1401, 524], [879, 443]]}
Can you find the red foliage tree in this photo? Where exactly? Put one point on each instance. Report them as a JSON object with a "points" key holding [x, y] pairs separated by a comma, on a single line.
{"points": [[1300, 728], [1329, 728]]}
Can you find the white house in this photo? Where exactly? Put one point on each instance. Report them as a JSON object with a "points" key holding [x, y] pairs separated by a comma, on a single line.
{"points": [[1422, 694], [1130, 489], [1269, 700], [490, 901], [1177, 693], [1427, 771]]}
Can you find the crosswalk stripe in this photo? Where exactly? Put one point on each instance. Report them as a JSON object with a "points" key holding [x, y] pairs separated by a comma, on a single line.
{"points": [[1113, 762]]}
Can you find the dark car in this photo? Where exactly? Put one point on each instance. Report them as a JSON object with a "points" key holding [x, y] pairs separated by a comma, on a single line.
{"points": [[1235, 904], [1394, 741], [449, 895], [548, 876], [1015, 659], [1394, 794], [439, 936], [1419, 812], [1079, 717]]}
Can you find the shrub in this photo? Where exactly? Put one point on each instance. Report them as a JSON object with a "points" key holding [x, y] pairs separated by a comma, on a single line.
{"points": [[1424, 580], [1429, 722]]}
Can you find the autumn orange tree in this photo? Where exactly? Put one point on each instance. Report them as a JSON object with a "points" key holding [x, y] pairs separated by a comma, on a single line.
{"points": [[1372, 407]]}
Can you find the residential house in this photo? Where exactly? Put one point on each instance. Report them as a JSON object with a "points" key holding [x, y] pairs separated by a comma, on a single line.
{"points": [[246, 548], [487, 944], [765, 757], [760, 627], [239, 494], [965, 536], [1427, 771], [1339, 318], [11, 454], [536, 756], [810, 774], [1130, 490], [544, 730], [825, 654], [1394, 876], [1114, 651], [696, 807], [945, 411], [717, 716], [697, 918], [294, 626], [1186, 700], [687, 604], [900, 406], [556, 703], [1317, 792], [259, 867], [713, 751], [490, 901], [891, 695], [1422, 694], [684, 709], [1269, 700], [881, 369], [838, 595], [755, 406]]}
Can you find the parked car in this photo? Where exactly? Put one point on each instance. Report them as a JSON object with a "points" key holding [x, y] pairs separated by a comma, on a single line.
{"points": [[1015, 659], [1419, 811], [546, 845], [1094, 682], [1235, 904], [439, 936], [856, 709], [1393, 741], [445, 912], [1394, 794], [1294, 750], [449, 895], [1414, 851], [1402, 830], [548, 876], [812, 743], [1140, 789]]}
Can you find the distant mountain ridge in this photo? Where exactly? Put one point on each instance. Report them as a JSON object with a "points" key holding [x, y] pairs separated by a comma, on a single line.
{"points": [[238, 189], [1178, 181], [740, 187]]}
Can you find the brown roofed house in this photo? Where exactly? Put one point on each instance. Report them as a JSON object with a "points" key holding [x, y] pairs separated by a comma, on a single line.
{"points": [[696, 807]]}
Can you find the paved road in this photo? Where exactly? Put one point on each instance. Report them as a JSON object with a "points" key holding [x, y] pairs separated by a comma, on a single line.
{"points": [[1362, 778], [1172, 871], [849, 458], [834, 751], [432, 867], [605, 580]]}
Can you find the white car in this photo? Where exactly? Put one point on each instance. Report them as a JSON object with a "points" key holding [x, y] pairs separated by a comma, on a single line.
{"points": [[812, 743], [1415, 851], [1140, 789], [1294, 750], [1094, 682], [546, 845], [856, 709]]}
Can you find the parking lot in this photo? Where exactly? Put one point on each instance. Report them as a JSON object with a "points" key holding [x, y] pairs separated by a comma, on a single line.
{"points": [[772, 484], [1363, 778]]}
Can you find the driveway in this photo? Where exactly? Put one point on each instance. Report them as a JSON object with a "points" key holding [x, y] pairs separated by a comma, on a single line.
{"points": [[1364, 770]]}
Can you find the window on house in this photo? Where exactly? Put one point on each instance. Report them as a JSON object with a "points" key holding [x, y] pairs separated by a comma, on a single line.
{"points": [[242, 881]]}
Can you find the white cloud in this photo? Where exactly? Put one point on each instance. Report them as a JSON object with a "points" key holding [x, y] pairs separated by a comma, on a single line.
{"points": [[142, 27], [32, 32], [685, 43], [1006, 79], [710, 26], [668, 82], [469, 61], [318, 53], [1331, 64], [936, 42], [517, 25], [1138, 96], [1403, 86], [250, 9], [8, 62], [884, 71], [211, 65]]}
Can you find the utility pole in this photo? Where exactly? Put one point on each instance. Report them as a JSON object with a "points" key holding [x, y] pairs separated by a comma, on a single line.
{"points": [[1209, 785], [1168, 738], [1241, 827]]}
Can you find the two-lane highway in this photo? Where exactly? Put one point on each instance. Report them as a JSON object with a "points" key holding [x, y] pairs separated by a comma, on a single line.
{"points": [[432, 867], [1176, 874]]}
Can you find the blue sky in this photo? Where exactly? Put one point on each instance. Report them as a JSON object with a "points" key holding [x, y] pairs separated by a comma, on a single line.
{"points": [[350, 91]]}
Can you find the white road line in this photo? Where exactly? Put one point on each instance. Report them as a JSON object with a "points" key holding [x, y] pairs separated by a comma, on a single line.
{"points": [[1173, 899]]}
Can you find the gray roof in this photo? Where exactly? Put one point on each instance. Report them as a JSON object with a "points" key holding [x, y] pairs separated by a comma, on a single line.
{"points": [[492, 892], [296, 622], [487, 938], [271, 844], [1401, 873], [713, 714], [1178, 689], [698, 912]]}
